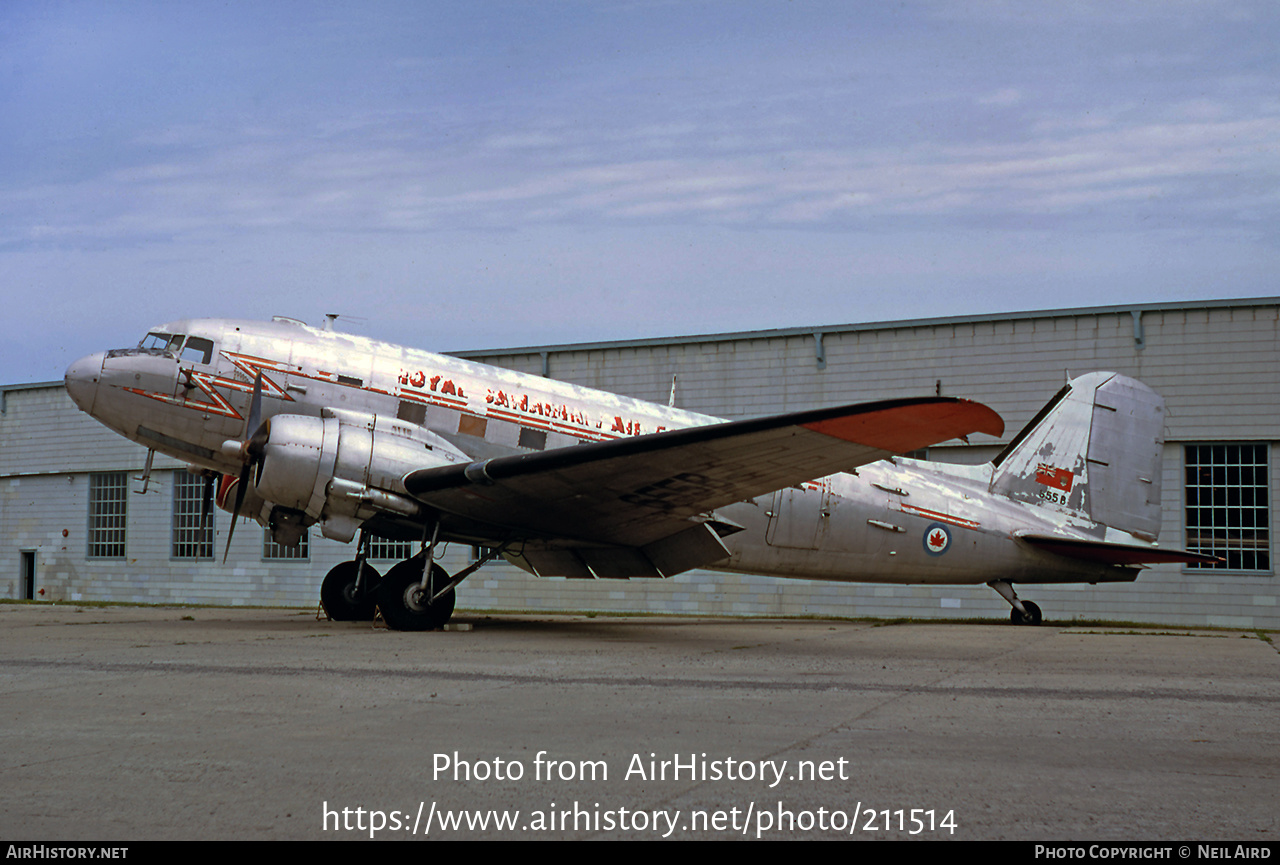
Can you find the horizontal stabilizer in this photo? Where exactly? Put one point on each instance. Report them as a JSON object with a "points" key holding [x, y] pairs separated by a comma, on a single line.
{"points": [[1115, 554]]}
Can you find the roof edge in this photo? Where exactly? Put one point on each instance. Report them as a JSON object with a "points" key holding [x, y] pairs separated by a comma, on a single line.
{"points": [[869, 325]]}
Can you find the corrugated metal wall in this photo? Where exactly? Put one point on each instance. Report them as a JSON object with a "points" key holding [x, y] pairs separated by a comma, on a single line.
{"points": [[1218, 366]]}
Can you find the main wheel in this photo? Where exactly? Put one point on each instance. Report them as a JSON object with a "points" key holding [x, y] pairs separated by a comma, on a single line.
{"points": [[338, 593], [404, 607], [1032, 616]]}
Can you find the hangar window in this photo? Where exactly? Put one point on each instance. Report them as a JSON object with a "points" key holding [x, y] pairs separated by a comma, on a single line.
{"points": [[272, 550], [381, 548], [192, 524], [108, 498], [1228, 504]]}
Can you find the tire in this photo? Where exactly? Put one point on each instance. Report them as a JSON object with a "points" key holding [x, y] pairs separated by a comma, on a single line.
{"points": [[337, 593], [404, 608], [1032, 617]]}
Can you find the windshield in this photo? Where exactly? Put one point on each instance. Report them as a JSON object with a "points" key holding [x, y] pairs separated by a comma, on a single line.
{"points": [[165, 342], [196, 350]]}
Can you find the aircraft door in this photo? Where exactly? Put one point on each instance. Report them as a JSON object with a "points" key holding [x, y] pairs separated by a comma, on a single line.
{"points": [[798, 516]]}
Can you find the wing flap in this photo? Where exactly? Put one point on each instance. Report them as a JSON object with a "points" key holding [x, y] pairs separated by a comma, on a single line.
{"points": [[691, 548], [684, 551]]}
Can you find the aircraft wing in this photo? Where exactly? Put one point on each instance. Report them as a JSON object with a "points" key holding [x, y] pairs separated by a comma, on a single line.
{"points": [[635, 492]]}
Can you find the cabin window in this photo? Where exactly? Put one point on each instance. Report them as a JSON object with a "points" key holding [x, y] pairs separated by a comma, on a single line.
{"points": [[108, 513], [534, 439], [473, 426], [412, 412], [192, 525], [1228, 501]]}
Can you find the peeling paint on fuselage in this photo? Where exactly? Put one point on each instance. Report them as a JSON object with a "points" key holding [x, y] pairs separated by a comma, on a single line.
{"points": [[982, 529]]}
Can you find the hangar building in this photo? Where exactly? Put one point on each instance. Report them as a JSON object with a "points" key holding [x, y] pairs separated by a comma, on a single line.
{"points": [[78, 523]]}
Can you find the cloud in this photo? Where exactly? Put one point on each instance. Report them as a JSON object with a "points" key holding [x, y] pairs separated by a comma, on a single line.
{"points": [[1208, 162], [1007, 96]]}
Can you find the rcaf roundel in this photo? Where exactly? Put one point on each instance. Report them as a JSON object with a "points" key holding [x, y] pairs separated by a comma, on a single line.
{"points": [[936, 539]]}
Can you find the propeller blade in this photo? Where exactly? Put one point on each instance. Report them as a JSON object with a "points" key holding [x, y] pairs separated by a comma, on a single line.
{"points": [[255, 407], [206, 500], [235, 512], [256, 432], [256, 447]]}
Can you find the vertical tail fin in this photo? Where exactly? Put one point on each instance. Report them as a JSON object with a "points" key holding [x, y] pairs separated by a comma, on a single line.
{"points": [[1095, 450]]}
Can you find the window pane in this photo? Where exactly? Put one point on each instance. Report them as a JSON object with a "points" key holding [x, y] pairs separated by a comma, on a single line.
{"points": [[1227, 514], [192, 528], [381, 548], [156, 341], [272, 550], [108, 498], [197, 350]]}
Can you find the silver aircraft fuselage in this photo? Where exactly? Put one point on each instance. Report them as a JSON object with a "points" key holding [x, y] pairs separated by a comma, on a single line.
{"points": [[898, 520]]}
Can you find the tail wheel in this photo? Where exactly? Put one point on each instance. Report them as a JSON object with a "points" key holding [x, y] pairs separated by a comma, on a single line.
{"points": [[338, 593], [1031, 617], [404, 606]]}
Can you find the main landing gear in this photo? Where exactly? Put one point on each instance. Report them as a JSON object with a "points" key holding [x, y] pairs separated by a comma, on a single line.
{"points": [[413, 599], [1023, 612], [415, 595]]}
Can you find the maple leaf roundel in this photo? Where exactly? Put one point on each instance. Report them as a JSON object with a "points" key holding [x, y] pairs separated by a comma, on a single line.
{"points": [[936, 539]]}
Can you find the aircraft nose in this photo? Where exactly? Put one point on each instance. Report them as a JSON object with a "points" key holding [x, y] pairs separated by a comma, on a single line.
{"points": [[81, 380]]}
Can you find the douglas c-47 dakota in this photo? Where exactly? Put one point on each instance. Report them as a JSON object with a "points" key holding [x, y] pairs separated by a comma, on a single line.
{"points": [[297, 426]]}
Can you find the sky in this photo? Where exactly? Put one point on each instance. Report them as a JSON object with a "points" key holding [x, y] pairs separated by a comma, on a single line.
{"points": [[491, 174]]}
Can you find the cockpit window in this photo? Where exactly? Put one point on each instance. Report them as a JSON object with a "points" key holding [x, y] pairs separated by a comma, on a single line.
{"points": [[197, 350], [165, 342]]}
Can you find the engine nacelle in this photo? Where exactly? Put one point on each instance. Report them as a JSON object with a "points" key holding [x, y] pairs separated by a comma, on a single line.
{"points": [[344, 467]]}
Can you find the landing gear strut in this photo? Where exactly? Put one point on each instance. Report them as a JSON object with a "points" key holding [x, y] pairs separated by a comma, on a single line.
{"points": [[417, 594], [1023, 612]]}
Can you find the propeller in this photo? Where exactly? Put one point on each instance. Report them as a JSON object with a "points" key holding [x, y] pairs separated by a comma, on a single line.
{"points": [[252, 449], [206, 498]]}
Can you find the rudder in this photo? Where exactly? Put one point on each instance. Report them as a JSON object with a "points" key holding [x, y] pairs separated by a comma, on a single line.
{"points": [[1095, 450]]}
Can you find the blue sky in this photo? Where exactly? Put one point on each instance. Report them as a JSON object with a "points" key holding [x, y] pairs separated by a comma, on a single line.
{"points": [[469, 175]]}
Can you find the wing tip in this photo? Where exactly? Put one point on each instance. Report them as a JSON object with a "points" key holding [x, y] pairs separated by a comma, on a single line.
{"points": [[992, 423], [913, 425]]}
